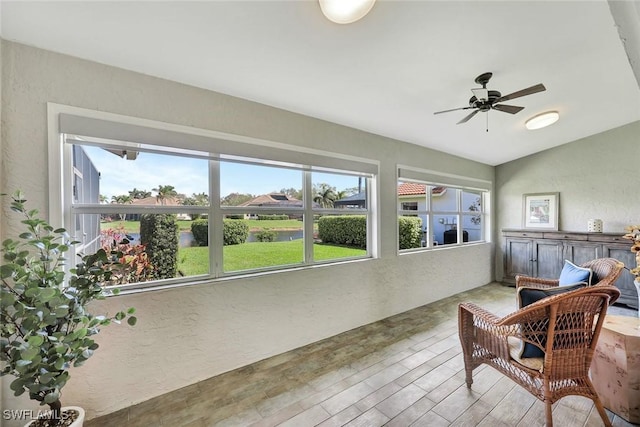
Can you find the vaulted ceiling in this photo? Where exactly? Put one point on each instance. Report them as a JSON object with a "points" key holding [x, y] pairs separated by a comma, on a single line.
{"points": [[386, 74]]}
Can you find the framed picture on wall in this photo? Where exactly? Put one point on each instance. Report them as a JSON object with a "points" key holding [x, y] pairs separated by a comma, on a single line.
{"points": [[540, 210]]}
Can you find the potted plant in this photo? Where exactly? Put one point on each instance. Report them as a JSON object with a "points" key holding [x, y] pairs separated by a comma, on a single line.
{"points": [[45, 320]]}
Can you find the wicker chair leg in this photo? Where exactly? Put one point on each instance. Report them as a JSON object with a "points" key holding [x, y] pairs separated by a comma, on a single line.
{"points": [[469, 374], [547, 411], [465, 322], [602, 412]]}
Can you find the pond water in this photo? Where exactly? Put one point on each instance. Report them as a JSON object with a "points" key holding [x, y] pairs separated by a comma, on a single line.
{"points": [[281, 235], [187, 240]]}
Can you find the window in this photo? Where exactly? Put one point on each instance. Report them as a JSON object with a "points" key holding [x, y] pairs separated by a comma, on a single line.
{"points": [[409, 206], [434, 215], [172, 214]]}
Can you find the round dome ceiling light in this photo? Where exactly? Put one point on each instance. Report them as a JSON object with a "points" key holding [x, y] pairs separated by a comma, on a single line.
{"points": [[345, 11], [542, 120]]}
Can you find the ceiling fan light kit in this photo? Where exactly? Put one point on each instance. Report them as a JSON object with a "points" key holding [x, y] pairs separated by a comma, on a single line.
{"points": [[542, 120], [484, 99], [345, 11]]}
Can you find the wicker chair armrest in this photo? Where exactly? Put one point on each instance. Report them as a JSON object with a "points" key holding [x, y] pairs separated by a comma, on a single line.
{"points": [[484, 319], [529, 281], [480, 328], [480, 312]]}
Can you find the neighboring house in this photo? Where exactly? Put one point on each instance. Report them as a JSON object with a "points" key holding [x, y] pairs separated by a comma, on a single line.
{"points": [[153, 200], [272, 200], [358, 200]]}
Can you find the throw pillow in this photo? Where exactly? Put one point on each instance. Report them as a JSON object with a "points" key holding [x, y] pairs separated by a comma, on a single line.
{"points": [[527, 296], [571, 273]]}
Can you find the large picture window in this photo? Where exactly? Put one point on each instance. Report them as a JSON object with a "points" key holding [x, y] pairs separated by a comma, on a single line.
{"points": [[171, 212], [433, 215]]}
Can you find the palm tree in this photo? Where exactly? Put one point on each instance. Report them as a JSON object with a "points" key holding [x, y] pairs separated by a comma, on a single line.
{"points": [[122, 199], [165, 192], [324, 195], [201, 199], [139, 194]]}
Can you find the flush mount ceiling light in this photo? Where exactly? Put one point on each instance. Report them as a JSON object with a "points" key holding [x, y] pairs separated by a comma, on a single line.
{"points": [[542, 120], [345, 11]]}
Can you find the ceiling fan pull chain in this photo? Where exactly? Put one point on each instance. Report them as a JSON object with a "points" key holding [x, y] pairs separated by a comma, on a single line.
{"points": [[487, 121]]}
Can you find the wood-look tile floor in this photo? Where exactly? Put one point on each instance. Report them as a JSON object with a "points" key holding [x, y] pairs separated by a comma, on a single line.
{"points": [[406, 370]]}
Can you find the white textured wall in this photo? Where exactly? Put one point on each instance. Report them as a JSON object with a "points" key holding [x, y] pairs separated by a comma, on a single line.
{"points": [[597, 177], [188, 334]]}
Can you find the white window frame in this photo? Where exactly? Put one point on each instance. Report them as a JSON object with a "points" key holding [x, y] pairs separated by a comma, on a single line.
{"points": [[431, 179], [62, 207]]}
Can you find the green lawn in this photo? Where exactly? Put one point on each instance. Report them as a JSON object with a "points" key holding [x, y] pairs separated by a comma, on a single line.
{"points": [[282, 224], [254, 224], [192, 261], [134, 226]]}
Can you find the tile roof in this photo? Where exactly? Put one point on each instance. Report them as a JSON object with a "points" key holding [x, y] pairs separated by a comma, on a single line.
{"points": [[412, 189], [273, 199], [153, 200]]}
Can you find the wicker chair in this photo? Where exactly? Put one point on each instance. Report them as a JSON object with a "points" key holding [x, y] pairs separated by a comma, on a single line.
{"points": [[565, 326], [607, 271]]}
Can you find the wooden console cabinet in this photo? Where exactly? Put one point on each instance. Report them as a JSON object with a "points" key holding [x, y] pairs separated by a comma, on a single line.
{"points": [[542, 254]]}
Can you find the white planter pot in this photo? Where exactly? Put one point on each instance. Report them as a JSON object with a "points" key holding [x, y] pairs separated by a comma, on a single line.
{"points": [[77, 423]]}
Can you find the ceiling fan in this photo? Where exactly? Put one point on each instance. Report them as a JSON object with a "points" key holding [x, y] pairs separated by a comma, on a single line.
{"points": [[484, 99]]}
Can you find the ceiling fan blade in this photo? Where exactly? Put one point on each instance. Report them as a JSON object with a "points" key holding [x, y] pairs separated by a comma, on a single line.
{"points": [[466, 119], [453, 109], [511, 109], [528, 91]]}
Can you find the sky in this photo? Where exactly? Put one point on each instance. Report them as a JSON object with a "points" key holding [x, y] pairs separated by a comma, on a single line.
{"points": [[190, 175]]}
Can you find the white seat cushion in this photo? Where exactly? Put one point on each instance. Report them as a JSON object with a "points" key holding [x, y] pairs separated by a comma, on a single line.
{"points": [[515, 349]]}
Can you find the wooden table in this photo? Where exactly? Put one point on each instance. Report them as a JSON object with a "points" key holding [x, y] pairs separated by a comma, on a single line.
{"points": [[615, 369]]}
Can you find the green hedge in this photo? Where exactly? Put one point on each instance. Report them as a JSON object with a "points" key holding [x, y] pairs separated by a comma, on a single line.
{"points": [[234, 231], [200, 231], [344, 230], [410, 232], [159, 233], [272, 217], [266, 235]]}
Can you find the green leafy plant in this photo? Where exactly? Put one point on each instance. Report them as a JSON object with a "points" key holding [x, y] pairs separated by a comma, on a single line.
{"points": [[272, 217], [350, 230], [266, 235], [159, 235], [200, 231], [129, 263], [235, 231], [45, 322], [409, 232]]}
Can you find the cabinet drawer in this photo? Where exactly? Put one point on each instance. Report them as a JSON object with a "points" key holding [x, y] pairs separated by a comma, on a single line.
{"points": [[565, 236], [533, 235], [609, 238]]}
